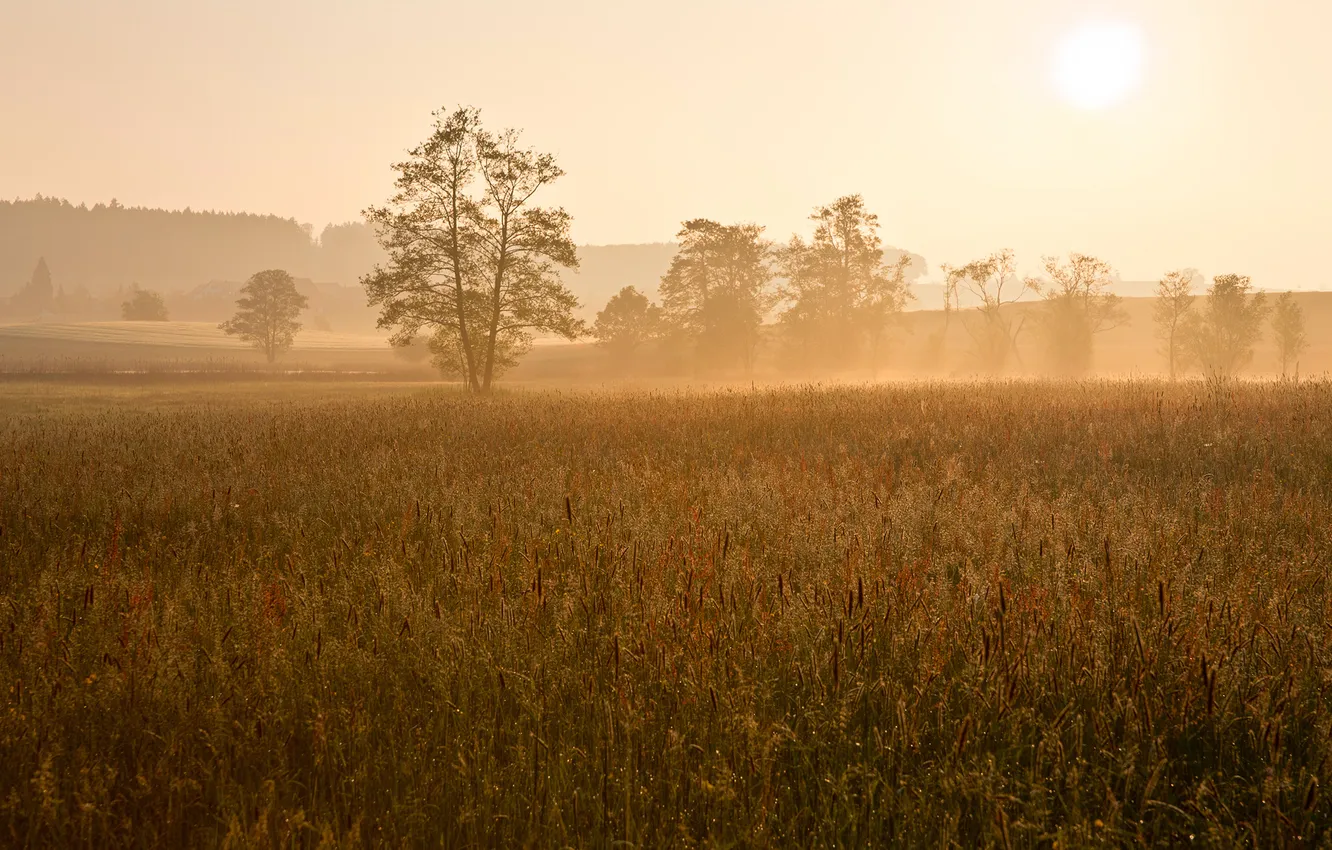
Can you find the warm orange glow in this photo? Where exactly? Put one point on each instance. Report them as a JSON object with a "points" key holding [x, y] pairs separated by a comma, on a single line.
{"points": [[944, 115], [1097, 65]]}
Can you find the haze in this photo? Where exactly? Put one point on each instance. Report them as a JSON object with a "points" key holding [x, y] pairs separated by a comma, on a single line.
{"points": [[944, 115]]}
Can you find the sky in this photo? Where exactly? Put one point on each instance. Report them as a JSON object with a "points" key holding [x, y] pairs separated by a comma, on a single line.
{"points": [[946, 115]]}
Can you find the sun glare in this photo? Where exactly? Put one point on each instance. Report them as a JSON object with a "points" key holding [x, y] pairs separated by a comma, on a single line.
{"points": [[1097, 65]]}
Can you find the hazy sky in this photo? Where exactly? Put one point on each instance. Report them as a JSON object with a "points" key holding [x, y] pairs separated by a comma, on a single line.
{"points": [[944, 114]]}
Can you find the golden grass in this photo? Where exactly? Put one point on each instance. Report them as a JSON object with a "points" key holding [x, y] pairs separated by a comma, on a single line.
{"points": [[965, 614]]}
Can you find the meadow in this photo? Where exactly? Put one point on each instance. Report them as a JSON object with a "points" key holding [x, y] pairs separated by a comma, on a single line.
{"points": [[175, 334], [1007, 613], [923, 343]]}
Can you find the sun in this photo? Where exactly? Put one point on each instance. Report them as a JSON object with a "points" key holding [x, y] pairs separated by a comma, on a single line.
{"points": [[1097, 65]]}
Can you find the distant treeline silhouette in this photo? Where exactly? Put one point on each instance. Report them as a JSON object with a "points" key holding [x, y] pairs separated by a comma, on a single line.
{"points": [[107, 247]]}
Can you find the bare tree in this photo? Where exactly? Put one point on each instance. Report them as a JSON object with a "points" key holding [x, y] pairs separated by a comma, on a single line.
{"points": [[471, 259], [1078, 305], [995, 283], [1174, 300], [266, 313], [1288, 329]]}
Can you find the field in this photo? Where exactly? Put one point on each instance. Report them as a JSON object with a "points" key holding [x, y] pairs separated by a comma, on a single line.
{"points": [[304, 613], [100, 347], [182, 334], [1131, 349]]}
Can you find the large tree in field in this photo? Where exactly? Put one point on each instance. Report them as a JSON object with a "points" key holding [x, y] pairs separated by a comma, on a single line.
{"points": [[1174, 300], [838, 290], [472, 260], [1222, 336], [995, 328], [266, 313], [716, 289], [1078, 305]]}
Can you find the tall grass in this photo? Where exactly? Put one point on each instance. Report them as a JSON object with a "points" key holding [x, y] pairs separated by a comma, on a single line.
{"points": [[1009, 614]]}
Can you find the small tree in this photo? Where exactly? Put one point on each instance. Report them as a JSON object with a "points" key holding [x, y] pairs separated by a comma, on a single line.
{"points": [[628, 320], [1174, 300], [995, 283], [1288, 328], [144, 305], [1221, 338], [266, 313], [1078, 305]]}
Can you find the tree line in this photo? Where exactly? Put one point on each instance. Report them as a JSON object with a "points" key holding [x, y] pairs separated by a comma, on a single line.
{"points": [[1219, 338], [473, 264], [1075, 305], [474, 267], [101, 248]]}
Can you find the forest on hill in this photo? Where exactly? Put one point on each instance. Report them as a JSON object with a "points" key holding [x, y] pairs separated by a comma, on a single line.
{"points": [[196, 259], [105, 247]]}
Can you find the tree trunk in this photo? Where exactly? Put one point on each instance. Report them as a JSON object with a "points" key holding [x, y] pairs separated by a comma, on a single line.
{"points": [[496, 293], [468, 357], [494, 331], [459, 296]]}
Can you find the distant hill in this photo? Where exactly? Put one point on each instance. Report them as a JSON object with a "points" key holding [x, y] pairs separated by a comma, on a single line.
{"points": [[197, 260], [332, 306], [97, 253], [99, 249]]}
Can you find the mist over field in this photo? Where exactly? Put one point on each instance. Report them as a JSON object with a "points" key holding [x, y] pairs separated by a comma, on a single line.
{"points": [[96, 258], [559, 424]]}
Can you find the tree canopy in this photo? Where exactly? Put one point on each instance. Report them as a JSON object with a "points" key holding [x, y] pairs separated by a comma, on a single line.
{"points": [[471, 259], [266, 313], [1288, 330], [1078, 305], [627, 321], [838, 289], [994, 282], [144, 305], [106, 246], [1174, 300], [717, 290], [1221, 338]]}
